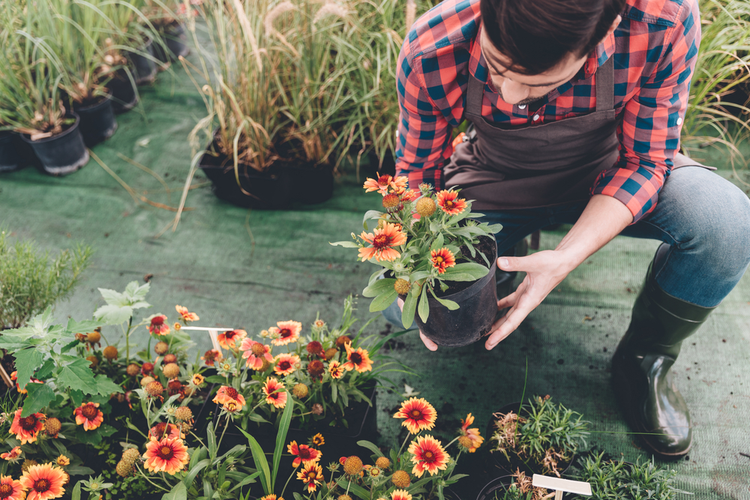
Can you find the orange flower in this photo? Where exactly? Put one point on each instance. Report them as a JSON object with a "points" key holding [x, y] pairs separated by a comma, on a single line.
{"points": [[381, 184], [186, 315], [11, 455], [255, 353], [427, 455], [442, 259], [198, 380], [286, 364], [473, 434], [212, 356], [448, 203], [43, 482], [335, 369], [400, 495], [11, 489], [358, 360], [226, 395], [14, 377], [285, 332], [163, 430], [318, 440], [167, 455], [303, 453], [26, 429], [271, 497], [275, 393], [311, 475], [382, 240], [418, 415], [228, 340], [89, 416], [410, 195], [158, 325]]}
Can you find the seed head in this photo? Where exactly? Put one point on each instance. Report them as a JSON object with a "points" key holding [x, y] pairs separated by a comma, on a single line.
{"points": [[110, 352], [300, 391], [401, 479], [27, 464], [353, 465], [382, 463], [170, 358], [154, 388], [401, 286], [93, 360], [315, 368], [391, 202], [465, 442], [342, 341], [93, 337], [130, 456], [344, 497], [426, 206], [183, 413], [52, 426], [330, 353], [314, 347], [132, 370], [147, 368], [258, 349], [161, 347], [146, 380], [317, 409], [124, 469], [171, 370]]}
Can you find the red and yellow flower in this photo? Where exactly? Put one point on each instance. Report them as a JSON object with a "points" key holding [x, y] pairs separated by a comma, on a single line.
{"points": [[410, 195], [418, 415], [311, 475], [212, 357], [474, 440], [303, 453], [381, 184], [449, 202], [382, 240], [228, 340], [254, 353], [167, 455], [442, 259], [318, 440], [285, 332], [427, 455], [286, 364], [400, 495], [164, 430], [43, 482], [89, 416], [186, 315], [335, 369], [226, 395], [357, 360], [11, 489], [271, 497], [27, 429], [275, 392], [11, 455], [158, 325]]}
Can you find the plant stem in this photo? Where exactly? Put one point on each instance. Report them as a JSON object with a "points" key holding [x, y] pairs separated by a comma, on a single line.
{"points": [[127, 340], [404, 443], [150, 481], [289, 479]]}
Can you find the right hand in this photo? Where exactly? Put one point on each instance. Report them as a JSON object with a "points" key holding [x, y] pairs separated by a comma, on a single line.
{"points": [[429, 344]]}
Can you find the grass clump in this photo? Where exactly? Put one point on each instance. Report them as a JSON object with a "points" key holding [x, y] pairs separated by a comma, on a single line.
{"points": [[30, 280], [619, 480]]}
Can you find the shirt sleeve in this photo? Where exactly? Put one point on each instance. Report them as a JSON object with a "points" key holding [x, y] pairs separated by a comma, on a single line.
{"points": [[424, 133], [649, 133]]}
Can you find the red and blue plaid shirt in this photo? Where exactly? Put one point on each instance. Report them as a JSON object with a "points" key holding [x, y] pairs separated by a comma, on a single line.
{"points": [[655, 49]]}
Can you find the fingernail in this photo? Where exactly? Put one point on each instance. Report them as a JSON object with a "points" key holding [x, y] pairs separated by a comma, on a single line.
{"points": [[503, 262], [491, 346]]}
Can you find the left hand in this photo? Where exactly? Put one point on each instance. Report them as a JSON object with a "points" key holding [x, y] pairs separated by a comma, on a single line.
{"points": [[544, 271]]}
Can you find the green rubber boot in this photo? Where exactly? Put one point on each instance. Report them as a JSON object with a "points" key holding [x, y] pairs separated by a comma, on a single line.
{"points": [[640, 369]]}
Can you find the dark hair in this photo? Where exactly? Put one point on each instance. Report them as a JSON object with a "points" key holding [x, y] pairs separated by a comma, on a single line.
{"points": [[536, 35]]}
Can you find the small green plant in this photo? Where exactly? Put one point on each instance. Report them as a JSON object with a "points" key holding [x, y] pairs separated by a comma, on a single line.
{"points": [[619, 480], [31, 281], [521, 489], [545, 437]]}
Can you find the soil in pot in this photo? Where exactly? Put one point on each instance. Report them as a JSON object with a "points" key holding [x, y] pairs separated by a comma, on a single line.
{"points": [[63, 153], [477, 302], [97, 120], [10, 159], [123, 94]]}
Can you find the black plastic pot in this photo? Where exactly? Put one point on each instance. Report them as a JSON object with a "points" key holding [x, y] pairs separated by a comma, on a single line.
{"points": [[97, 122], [511, 466], [63, 153], [174, 41], [476, 313], [122, 93], [144, 67], [10, 159], [497, 485]]}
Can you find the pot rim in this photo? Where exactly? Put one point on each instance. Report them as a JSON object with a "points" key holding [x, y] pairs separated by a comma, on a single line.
{"points": [[71, 114]]}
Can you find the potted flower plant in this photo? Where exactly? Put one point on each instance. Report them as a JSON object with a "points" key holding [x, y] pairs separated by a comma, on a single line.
{"points": [[435, 255], [542, 438], [516, 486]]}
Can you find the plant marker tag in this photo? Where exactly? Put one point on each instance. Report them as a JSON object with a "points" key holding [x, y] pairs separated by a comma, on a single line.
{"points": [[561, 485], [212, 332]]}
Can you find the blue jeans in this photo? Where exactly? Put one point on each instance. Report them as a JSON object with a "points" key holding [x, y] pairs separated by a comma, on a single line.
{"points": [[703, 218]]}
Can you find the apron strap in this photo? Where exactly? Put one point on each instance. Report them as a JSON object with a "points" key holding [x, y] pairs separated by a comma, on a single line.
{"points": [[605, 85], [474, 96]]}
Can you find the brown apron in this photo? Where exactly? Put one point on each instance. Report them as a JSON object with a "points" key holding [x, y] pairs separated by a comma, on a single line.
{"points": [[537, 166]]}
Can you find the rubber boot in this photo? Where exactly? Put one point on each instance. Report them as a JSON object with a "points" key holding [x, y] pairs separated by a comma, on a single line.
{"points": [[640, 368]]}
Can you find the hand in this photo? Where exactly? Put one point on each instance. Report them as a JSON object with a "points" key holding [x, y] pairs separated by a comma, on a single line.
{"points": [[544, 271], [429, 344]]}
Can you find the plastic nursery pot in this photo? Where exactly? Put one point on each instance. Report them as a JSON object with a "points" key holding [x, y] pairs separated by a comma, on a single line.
{"points": [[97, 121], [63, 153], [495, 487], [511, 465], [10, 159], [309, 184], [477, 307], [174, 41], [144, 67], [122, 92]]}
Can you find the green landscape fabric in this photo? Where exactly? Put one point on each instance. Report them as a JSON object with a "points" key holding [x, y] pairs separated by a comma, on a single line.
{"points": [[249, 269]]}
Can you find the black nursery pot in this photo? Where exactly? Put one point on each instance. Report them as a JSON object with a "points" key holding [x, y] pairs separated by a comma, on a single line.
{"points": [[475, 315], [175, 42], [10, 159], [144, 67], [97, 122], [63, 153], [122, 92], [497, 485]]}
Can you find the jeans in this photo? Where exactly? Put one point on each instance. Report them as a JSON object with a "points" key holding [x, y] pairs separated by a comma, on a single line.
{"points": [[703, 219]]}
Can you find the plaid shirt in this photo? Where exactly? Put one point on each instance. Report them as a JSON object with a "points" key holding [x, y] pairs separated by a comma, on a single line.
{"points": [[655, 48]]}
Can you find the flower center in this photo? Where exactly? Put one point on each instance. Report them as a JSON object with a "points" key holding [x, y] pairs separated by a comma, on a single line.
{"points": [[439, 260], [28, 423], [380, 241], [166, 452], [384, 180], [311, 476], [258, 349], [285, 332], [304, 453], [416, 414], [284, 365], [356, 358], [5, 490], [449, 204], [157, 321], [428, 455], [89, 411], [41, 485], [231, 392]]}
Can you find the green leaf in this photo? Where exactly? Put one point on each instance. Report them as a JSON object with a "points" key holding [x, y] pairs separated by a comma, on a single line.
{"points": [[79, 470], [345, 244], [286, 421], [76, 397], [39, 396], [334, 392], [424, 305], [454, 276], [260, 462], [254, 417], [179, 492], [438, 243], [211, 436], [78, 374], [380, 286], [353, 488], [410, 307], [384, 300], [194, 470], [27, 362], [370, 215], [85, 326], [449, 304], [371, 446], [105, 386], [113, 315], [476, 270], [248, 479], [46, 370], [76, 493]]}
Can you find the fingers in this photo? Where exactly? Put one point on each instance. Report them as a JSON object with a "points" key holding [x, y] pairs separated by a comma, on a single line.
{"points": [[429, 344], [400, 303]]}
